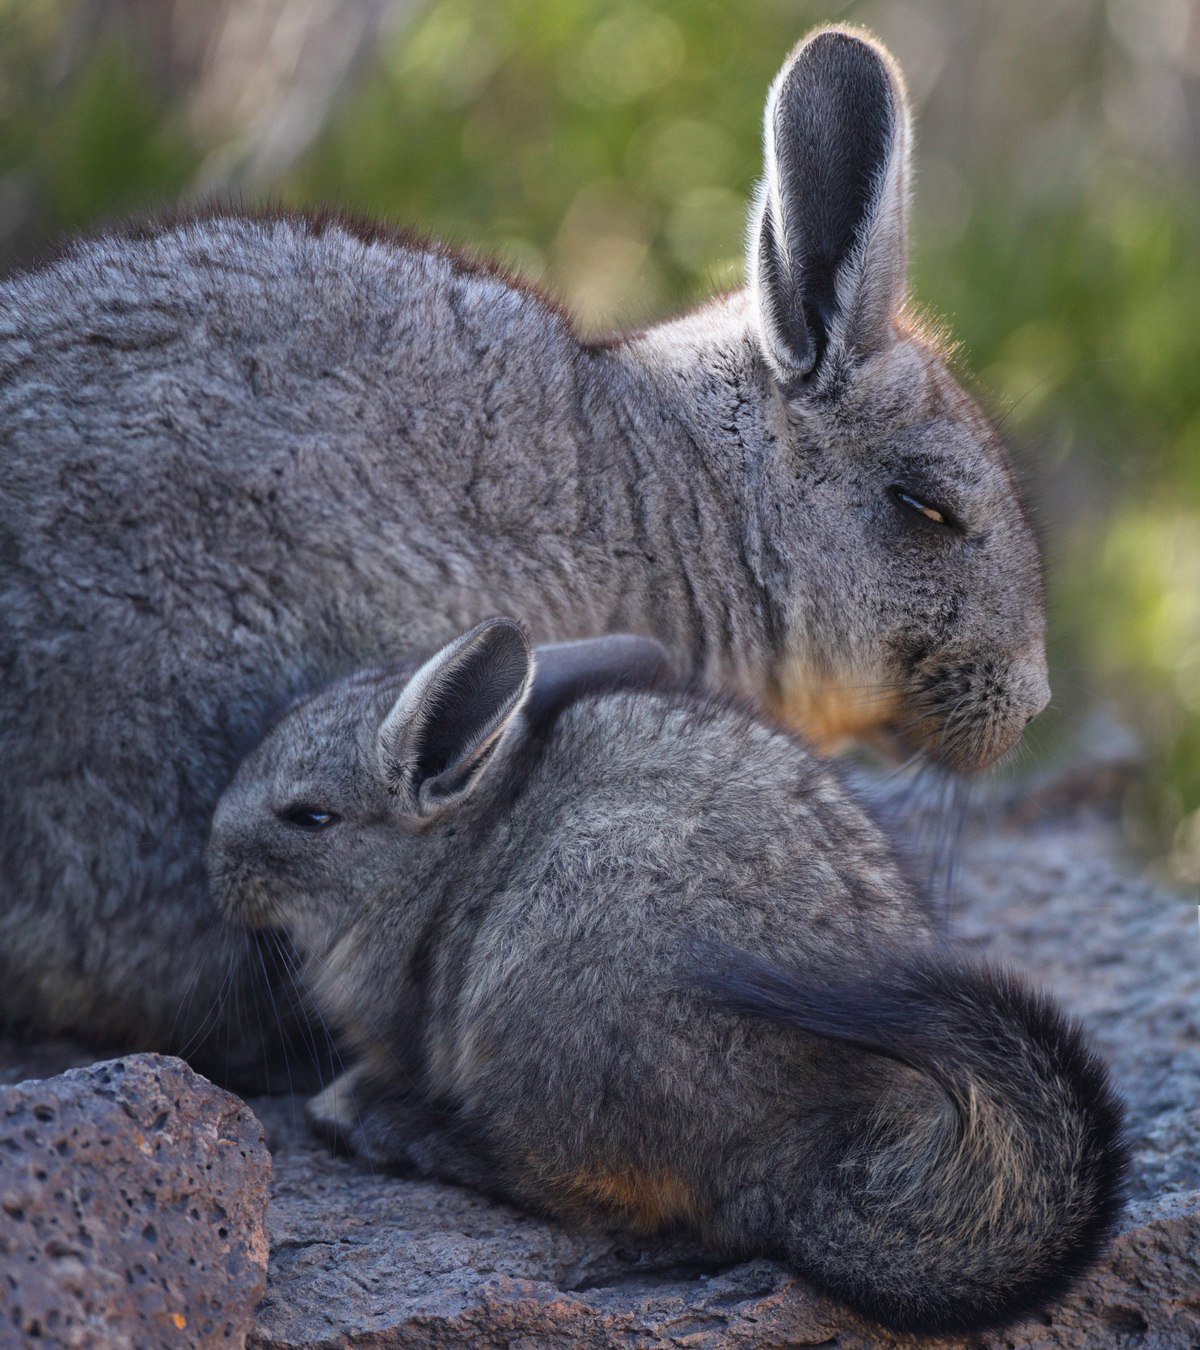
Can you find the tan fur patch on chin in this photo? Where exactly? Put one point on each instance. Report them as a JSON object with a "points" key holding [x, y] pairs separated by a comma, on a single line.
{"points": [[828, 716]]}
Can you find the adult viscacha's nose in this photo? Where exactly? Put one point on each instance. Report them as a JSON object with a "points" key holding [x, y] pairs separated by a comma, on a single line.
{"points": [[1032, 680]]}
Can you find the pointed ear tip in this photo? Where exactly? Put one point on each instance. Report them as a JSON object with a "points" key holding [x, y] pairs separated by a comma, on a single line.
{"points": [[834, 36], [498, 622], [501, 628]]}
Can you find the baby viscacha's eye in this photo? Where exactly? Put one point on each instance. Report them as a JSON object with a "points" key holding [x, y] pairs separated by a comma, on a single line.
{"points": [[307, 817]]}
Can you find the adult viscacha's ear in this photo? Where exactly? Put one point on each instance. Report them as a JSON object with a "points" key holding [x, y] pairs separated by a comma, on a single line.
{"points": [[827, 253], [437, 741]]}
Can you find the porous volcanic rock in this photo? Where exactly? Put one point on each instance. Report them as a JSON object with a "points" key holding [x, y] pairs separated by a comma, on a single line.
{"points": [[132, 1201]]}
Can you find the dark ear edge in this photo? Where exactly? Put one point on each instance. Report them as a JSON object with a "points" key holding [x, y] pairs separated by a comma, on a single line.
{"points": [[438, 737], [827, 249], [567, 671]]}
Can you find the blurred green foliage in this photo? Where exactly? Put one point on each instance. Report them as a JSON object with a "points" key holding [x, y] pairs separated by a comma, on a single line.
{"points": [[608, 147]]}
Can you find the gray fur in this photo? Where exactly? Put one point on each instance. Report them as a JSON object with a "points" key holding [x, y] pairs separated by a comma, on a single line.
{"points": [[244, 455], [592, 983]]}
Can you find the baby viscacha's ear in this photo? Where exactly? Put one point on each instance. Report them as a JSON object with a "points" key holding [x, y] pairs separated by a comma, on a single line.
{"points": [[438, 739], [566, 671]]}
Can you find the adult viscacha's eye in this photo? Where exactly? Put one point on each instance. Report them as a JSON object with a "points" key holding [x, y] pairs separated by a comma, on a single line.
{"points": [[934, 512]]}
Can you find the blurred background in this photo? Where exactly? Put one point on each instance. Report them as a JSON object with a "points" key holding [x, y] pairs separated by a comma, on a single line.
{"points": [[608, 147]]}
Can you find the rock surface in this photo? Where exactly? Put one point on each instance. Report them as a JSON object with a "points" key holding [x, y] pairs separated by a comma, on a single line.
{"points": [[367, 1260], [132, 1203]]}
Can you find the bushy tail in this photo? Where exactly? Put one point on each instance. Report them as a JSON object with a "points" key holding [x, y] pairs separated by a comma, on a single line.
{"points": [[938, 1220]]}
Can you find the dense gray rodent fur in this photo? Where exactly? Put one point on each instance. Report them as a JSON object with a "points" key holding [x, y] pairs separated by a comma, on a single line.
{"points": [[641, 954], [244, 455]]}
